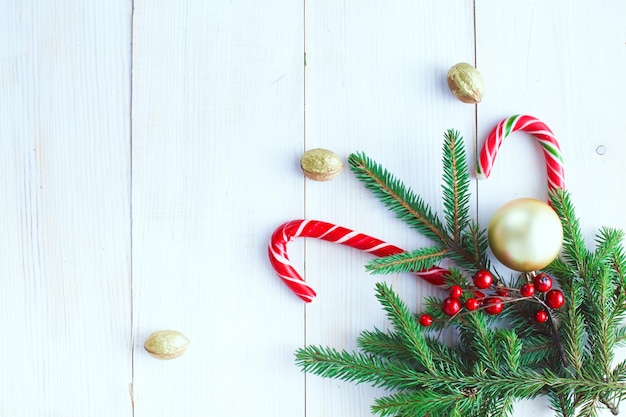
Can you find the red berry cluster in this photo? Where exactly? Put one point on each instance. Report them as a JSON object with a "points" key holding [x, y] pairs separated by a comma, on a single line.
{"points": [[494, 304]]}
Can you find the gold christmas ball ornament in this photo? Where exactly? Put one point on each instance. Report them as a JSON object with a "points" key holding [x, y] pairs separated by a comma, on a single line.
{"points": [[525, 234], [320, 164], [466, 83], [166, 344]]}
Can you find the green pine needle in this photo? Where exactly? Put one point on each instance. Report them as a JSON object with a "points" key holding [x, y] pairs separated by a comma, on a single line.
{"points": [[479, 338], [353, 367], [418, 260], [477, 244], [574, 249], [424, 402], [405, 325], [497, 360], [386, 345], [401, 200], [456, 181], [608, 243]]}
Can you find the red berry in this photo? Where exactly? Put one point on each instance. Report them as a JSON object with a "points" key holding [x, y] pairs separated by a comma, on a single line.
{"points": [[472, 304], [451, 306], [527, 290], [479, 294], [426, 320], [456, 291], [542, 282], [555, 298], [504, 292], [494, 305], [483, 279], [541, 316]]}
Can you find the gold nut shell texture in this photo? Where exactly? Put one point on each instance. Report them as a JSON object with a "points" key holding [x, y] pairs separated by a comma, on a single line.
{"points": [[466, 83], [320, 164], [166, 344]]}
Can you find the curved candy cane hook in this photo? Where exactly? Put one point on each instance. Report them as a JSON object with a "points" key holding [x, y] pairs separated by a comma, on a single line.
{"points": [[290, 230], [277, 249], [544, 136]]}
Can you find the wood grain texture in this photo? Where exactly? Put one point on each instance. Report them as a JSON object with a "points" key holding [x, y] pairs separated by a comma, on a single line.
{"points": [[561, 64], [217, 133], [541, 59], [376, 83], [65, 247], [149, 148]]}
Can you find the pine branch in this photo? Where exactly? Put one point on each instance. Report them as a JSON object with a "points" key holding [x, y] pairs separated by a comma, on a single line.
{"points": [[510, 349], [585, 388], [599, 307], [456, 181], [620, 336], [405, 326], [610, 245], [569, 358], [538, 348], [596, 306], [619, 372], [424, 402], [448, 356], [588, 407], [466, 248], [443, 388], [574, 249], [572, 331], [607, 247], [501, 407], [618, 260], [478, 338], [558, 268], [477, 243], [417, 260], [354, 367], [480, 394], [388, 346], [562, 403], [399, 199]]}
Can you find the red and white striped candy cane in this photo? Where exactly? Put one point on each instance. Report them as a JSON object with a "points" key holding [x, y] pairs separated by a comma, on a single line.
{"points": [[544, 136], [290, 230]]}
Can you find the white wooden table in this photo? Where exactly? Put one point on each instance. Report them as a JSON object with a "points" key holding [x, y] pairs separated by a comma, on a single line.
{"points": [[149, 148]]}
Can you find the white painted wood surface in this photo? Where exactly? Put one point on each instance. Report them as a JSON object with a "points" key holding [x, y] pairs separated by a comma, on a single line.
{"points": [[149, 148]]}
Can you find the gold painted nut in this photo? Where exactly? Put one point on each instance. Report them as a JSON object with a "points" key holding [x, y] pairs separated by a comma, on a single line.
{"points": [[320, 164], [466, 83], [166, 344]]}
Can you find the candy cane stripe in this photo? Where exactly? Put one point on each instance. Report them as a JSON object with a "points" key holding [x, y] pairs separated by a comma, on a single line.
{"points": [[377, 248], [277, 252], [543, 135]]}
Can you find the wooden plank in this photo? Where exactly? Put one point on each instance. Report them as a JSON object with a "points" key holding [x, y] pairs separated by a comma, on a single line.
{"points": [[563, 65], [375, 82], [547, 65], [65, 247], [217, 133], [218, 127]]}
